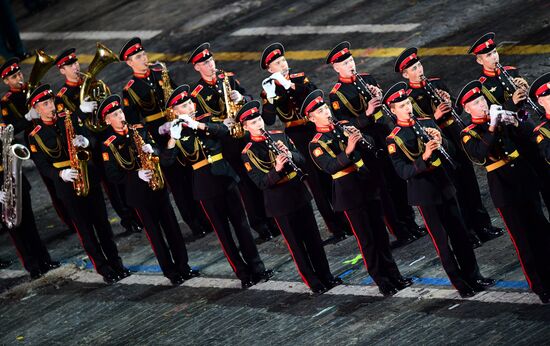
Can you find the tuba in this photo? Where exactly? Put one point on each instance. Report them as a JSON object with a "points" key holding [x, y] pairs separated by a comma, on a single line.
{"points": [[231, 108], [78, 158], [148, 161], [12, 157], [96, 90], [42, 64]]}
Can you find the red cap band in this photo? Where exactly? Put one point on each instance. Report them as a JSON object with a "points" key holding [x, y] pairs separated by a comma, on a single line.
{"points": [[65, 59], [406, 61], [312, 104], [396, 95], [177, 98], [542, 89], [484, 45], [39, 96], [9, 69], [108, 107], [131, 50], [248, 112], [339, 54], [270, 56], [200, 56], [469, 94]]}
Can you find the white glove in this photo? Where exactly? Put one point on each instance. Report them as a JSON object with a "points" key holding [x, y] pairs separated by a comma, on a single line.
{"points": [[2, 197], [81, 141], [229, 122], [164, 129], [69, 175], [236, 96], [88, 106], [175, 129], [269, 87], [32, 114], [509, 118], [147, 148], [191, 123], [495, 113], [278, 76], [145, 174]]}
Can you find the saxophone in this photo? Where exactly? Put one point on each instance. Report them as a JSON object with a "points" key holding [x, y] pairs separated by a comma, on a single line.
{"points": [[231, 108], [148, 161], [166, 90], [12, 157], [78, 158]]}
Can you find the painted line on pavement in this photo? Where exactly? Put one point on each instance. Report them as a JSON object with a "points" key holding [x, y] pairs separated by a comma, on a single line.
{"points": [[324, 29], [89, 35]]}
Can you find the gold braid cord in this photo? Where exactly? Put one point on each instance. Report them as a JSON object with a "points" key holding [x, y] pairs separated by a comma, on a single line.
{"points": [[122, 162], [68, 103], [489, 96], [208, 108], [14, 110], [410, 155], [419, 110], [264, 166], [147, 106], [476, 136], [349, 106], [192, 157], [54, 153]]}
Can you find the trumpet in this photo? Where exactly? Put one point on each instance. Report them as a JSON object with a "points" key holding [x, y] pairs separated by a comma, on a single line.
{"points": [[273, 147]]}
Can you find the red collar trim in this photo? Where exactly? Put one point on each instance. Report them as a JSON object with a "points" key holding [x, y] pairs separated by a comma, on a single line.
{"points": [[73, 84], [325, 129], [347, 80], [478, 121], [123, 132], [50, 122], [405, 123], [417, 85], [16, 90], [143, 75], [257, 138], [211, 82], [490, 73], [547, 116]]}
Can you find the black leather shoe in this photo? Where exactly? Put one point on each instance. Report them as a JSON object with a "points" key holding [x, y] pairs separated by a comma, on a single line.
{"points": [[47, 266], [4, 264], [176, 280], [198, 233], [265, 276], [123, 272], [247, 283], [191, 273], [474, 240], [35, 274], [401, 242], [467, 292], [111, 278], [485, 234], [402, 283], [544, 297], [318, 290], [335, 238], [482, 284], [387, 291], [333, 282], [418, 232]]}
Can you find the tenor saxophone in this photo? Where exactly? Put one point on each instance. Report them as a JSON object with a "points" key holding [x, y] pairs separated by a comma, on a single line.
{"points": [[79, 159], [231, 108], [148, 161], [13, 156], [166, 90]]}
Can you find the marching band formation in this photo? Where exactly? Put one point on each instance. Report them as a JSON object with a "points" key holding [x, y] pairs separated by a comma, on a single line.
{"points": [[365, 156]]}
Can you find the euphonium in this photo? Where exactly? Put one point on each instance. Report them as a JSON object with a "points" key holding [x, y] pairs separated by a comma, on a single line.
{"points": [[148, 161], [93, 89], [79, 159], [12, 157], [42, 64], [231, 108], [166, 89]]}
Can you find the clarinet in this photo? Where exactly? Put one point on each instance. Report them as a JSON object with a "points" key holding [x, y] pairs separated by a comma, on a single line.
{"points": [[365, 87], [426, 138], [438, 99], [363, 141], [511, 86], [273, 147]]}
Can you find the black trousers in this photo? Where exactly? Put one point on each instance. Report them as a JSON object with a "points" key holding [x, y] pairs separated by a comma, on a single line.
{"points": [[301, 234], [89, 217], [226, 208], [449, 235], [530, 234], [60, 208], [367, 225], [29, 246], [164, 234]]}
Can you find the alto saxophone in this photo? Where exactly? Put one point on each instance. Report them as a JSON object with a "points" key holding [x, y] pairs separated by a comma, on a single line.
{"points": [[148, 161], [12, 157], [231, 108], [166, 90], [79, 159]]}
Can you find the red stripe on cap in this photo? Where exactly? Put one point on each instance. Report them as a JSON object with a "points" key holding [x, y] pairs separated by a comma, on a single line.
{"points": [[200, 56], [543, 88], [484, 45], [131, 50], [65, 59], [108, 107], [271, 55], [247, 113], [177, 98], [37, 97], [395, 95], [9, 69], [339, 54], [312, 104], [406, 60], [469, 94]]}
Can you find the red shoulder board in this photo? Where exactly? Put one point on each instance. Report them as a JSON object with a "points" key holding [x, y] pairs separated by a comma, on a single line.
{"points": [[364, 74], [335, 88], [469, 127], [344, 121], [482, 79], [6, 96], [137, 126], [35, 131], [540, 125], [274, 132], [296, 75], [196, 91], [229, 74], [434, 78], [247, 147], [509, 68], [394, 132], [61, 91], [109, 140], [316, 138], [202, 116], [157, 69], [61, 114], [129, 84]]}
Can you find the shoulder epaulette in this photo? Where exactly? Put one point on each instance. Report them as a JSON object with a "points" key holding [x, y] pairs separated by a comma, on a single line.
{"points": [[275, 132], [157, 69], [197, 90], [482, 79], [297, 75], [364, 74], [335, 88], [247, 147], [469, 128], [229, 74], [394, 132], [509, 68], [434, 79], [316, 138], [61, 91], [109, 140], [202, 116], [540, 125], [129, 84], [137, 126], [35, 130], [6, 96]]}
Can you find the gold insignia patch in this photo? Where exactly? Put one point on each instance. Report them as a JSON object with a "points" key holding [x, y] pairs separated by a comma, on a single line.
{"points": [[105, 156], [306, 80], [466, 138], [391, 148], [126, 103], [248, 166], [208, 98], [540, 138], [335, 105], [4, 112], [493, 89], [59, 107], [184, 138], [317, 152], [33, 148]]}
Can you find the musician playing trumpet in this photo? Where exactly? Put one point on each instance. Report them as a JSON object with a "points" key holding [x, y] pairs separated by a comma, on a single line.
{"points": [[50, 150]]}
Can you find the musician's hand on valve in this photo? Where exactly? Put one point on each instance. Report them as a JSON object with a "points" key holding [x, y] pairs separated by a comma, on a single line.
{"points": [[88, 106], [175, 130], [147, 148], [145, 175], [431, 146], [229, 122], [353, 138], [373, 104], [441, 110], [190, 122], [3, 197], [519, 95], [236, 96], [268, 85], [278, 76], [81, 141], [68, 175], [280, 162], [434, 134], [375, 91], [495, 113]]}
